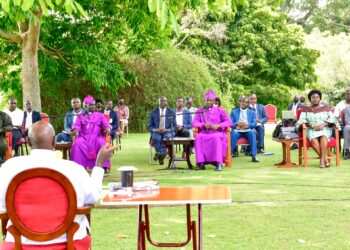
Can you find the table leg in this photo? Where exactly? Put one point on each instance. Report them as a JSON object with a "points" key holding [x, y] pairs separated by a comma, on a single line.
{"points": [[286, 162], [65, 154], [188, 153], [200, 226], [141, 243], [171, 158]]}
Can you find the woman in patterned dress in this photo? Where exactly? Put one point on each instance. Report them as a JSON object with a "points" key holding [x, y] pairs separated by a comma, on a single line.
{"points": [[318, 119]]}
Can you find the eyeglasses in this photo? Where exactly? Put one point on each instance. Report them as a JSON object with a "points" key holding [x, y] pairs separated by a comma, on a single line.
{"points": [[13, 102]]}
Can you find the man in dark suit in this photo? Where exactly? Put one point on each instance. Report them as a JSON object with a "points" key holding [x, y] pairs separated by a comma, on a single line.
{"points": [[30, 117], [295, 105], [261, 119], [160, 122], [113, 117], [183, 119], [244, 123]]}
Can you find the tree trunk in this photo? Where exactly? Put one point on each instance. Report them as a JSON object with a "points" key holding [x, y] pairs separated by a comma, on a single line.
{"points": [[30, 68]]}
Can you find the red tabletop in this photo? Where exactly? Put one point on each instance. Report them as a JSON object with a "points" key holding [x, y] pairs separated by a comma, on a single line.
{"points": [[172, 196]]}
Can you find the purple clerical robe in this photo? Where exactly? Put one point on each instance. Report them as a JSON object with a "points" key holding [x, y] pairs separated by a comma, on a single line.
{"points": [[90, 139], [211, 145]]}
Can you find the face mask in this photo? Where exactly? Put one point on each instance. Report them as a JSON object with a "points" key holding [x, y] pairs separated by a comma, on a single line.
{"points": [[121, 103]]}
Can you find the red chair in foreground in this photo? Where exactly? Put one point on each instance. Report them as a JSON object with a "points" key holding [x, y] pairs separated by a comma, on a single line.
{"points": [[42, 204], [304, 145], [271, 111]]}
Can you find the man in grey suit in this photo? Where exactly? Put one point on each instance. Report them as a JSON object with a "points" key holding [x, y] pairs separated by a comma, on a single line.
{"points": [[69, 120]]}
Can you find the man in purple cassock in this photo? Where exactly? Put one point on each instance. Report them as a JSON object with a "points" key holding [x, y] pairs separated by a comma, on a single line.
{"points": [[90, 130], [211, 141]]}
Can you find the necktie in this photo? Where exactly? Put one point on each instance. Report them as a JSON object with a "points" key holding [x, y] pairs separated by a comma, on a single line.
{"points": [[162, 119]]}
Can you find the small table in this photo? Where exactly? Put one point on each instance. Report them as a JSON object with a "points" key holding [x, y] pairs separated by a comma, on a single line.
{"points": [[65, 148], [172, 196], [286, 162], [188, 142]]}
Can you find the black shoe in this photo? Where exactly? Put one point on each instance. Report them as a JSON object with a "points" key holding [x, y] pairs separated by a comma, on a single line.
{"points": [[261, 151], [156, 157], [219, 167], [161, 158], [235, 154], [201, 166], [294, 146], [254, 159], [346, 155]]}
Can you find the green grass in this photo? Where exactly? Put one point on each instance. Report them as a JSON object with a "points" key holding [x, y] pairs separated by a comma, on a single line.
{"points": [[300, 208]]}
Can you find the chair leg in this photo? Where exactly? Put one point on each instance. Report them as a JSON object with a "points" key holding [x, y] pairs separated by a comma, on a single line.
{"points": [[305, 156], [300, 152]]}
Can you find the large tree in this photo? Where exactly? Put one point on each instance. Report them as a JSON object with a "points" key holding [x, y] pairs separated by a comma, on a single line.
{"points": [[84, 36]]}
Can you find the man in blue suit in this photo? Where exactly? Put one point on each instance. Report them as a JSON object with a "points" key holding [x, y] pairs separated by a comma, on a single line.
{"points": [[160, 122], [30, 117], [183, 119], [244, 123], [69, 120], [113, 117], [261, 119]]}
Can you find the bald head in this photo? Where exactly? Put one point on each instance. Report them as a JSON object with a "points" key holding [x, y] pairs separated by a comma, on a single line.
{"points": [[42, 135]]}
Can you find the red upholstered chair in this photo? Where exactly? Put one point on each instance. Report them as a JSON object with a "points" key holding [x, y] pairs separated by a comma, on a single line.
{"points": [[271, 111], [228, 157], [42, 204], [304, 144], [45, 117], [8, 152]]}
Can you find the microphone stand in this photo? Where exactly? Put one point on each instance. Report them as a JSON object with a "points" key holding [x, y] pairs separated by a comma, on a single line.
{"points": [[172, 165]]}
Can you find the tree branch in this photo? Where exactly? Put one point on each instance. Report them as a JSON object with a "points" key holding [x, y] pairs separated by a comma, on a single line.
{"points": [[55, 53], [10, 37], [8, 58]]}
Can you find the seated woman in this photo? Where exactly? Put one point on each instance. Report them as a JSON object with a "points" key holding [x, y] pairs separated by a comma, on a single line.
{"points": [[318, 119], [123, 115]]}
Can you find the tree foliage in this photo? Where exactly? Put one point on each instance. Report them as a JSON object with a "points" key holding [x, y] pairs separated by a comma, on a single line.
{"points": [[256, 48], [169, 73]]}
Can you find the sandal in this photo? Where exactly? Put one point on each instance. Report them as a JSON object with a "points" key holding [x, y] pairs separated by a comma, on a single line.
{"points": [[327, 164]]}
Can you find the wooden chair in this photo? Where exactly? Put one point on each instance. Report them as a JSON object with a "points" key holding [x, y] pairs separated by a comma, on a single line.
{"points": [[271, 111], [228, 157], [304, 144], [41, 203], [109, 138], [8, 152]]}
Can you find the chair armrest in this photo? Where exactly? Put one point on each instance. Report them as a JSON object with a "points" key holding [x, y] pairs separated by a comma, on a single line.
{"points": [[4, 219], [85, 210]]}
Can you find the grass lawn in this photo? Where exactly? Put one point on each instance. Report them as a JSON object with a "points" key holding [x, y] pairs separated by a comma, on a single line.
{"points": [[300, 208]]}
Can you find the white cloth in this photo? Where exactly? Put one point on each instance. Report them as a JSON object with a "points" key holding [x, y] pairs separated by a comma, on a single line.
{"points": [[179, 118], [88, 189], [339, 108], [16, 116], [29, 120]]}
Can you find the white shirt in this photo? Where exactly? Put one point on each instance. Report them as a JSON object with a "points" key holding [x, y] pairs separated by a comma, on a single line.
{"points": [[295, 107], [76, 115], [339, 108], [29, 120], [16, 116], [88, 189], [243, 116], [179, 118]]}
